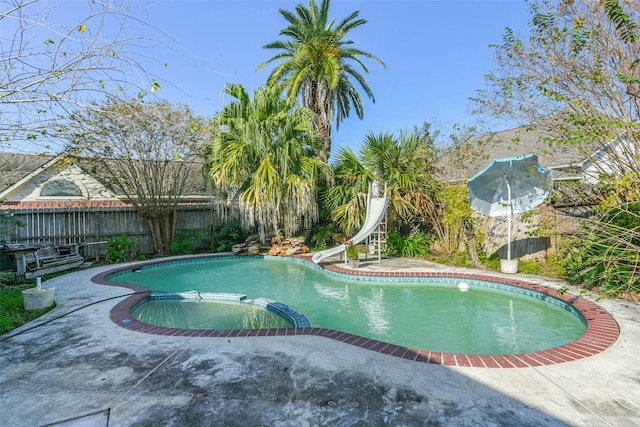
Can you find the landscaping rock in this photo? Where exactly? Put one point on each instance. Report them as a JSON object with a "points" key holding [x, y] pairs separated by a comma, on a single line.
{"points": [[275, 250], [293, 251], [280, 246], [253, 250]]}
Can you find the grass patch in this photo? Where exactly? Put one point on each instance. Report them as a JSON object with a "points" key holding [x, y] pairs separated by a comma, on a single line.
{"points": [[12, 312]]}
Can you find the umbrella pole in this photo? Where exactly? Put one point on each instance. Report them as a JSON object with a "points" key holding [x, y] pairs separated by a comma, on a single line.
{"points": [[509, 220]]}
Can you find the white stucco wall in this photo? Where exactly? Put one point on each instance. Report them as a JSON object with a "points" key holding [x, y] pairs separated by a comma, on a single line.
{"points": [[90, 187]]}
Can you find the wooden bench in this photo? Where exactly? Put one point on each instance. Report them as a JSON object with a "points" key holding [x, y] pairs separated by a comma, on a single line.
{"points": [[43, 258]]}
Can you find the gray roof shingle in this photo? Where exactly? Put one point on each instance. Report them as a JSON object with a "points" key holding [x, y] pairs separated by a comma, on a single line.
{"points": [[15, 166], [463, 161]]}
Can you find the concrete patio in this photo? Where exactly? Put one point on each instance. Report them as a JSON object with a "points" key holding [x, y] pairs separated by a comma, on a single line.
{"points": [[75, 367]]}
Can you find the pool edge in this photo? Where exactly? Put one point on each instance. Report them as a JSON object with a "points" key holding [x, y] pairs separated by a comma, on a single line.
{"points": [[602, 329]]}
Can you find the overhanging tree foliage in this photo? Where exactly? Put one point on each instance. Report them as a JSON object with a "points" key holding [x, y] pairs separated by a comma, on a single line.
{"points": [[55, 58], [577, 74], [149, 152]]}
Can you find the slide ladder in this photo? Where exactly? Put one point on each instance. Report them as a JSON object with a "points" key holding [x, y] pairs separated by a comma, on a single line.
{"points": [[377, 240], [376, 213]]}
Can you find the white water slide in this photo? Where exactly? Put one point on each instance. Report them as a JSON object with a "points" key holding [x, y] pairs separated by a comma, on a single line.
{"points": [[376, 209]]}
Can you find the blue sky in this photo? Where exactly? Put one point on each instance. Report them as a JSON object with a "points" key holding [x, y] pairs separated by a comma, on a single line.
{"points": [[436, 54]]}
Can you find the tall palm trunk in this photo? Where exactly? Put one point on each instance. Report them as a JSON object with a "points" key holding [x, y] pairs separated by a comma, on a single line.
{"points": [[316, 96], [324, 128]]}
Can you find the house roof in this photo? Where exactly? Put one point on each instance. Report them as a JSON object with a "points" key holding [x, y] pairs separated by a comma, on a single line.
{"points": [[17, 169], [14, 167], [196, 187], [465, 160]]}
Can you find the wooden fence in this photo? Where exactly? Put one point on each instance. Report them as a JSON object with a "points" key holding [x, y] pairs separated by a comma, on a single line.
{"points": [[537, 235], [91, 227]]}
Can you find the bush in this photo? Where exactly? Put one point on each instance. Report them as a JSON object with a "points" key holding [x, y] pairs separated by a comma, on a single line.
{"points": [[606, 256], [492, 262], [549, 266], [352, 251], [323, 235], [185, 242], [530, 266], [416, 246], [121, 249], [226, 236], [458, 259], [7, 278]]}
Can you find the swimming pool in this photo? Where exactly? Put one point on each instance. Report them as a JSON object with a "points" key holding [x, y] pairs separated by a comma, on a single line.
{"points": [[491, 318]]}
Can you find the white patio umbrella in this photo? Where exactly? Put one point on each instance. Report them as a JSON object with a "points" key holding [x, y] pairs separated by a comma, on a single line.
{"points": [[509, 186]]}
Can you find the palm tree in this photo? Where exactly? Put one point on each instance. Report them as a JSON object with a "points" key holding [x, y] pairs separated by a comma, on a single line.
{"points": [[316, 62], [406, 163], [262, 156], [346, 200]]}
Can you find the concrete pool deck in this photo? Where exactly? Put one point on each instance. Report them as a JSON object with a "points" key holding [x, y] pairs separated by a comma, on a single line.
{"points": [[75, 367]]}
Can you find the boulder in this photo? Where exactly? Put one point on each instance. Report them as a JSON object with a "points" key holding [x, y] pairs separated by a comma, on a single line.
{"points": [[275, 250], [292, 251], [280, 246], [297, 241], [253, 250]]}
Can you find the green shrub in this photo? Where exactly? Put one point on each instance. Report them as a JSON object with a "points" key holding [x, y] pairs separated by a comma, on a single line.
{"points": [[458, 259], [185, 242], [416, 246], [323, 235], [556, 267], [352, 251], [226, 236], [395, 243], [549, 266], [7, 278], [492, 262], [530, 266], [606, 256], [121, 249]]}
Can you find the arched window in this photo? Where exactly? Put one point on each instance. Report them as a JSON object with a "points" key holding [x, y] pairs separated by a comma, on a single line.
{"points": [[60, 188]]}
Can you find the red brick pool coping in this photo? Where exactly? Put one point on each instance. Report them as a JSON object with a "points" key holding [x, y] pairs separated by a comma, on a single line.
{"points": [[602, 329]]}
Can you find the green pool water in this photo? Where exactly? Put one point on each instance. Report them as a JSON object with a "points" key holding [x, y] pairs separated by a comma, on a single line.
{"points": [[436, 317], [185, 314]]}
